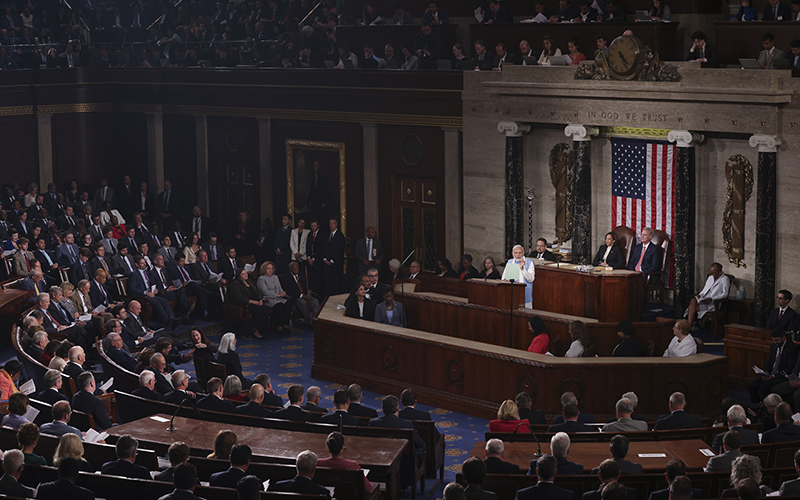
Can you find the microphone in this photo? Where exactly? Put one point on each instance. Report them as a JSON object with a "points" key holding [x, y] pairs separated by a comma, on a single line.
{"points": [[341, 424], [172, 421], [526, 424]]}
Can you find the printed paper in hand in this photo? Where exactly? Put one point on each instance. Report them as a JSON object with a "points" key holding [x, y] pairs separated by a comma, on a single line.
{"points": [[759, 371], [108, 384], [214, 277], [31, 413], [652, 455], [707, 452], [99, 309], [27, 388], [85, 317], [249, 267], [92, 436], [795, 417]]}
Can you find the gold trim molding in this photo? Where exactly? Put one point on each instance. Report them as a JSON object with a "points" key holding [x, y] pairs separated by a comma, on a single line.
{"points": [[285, 114], [643, 133]]}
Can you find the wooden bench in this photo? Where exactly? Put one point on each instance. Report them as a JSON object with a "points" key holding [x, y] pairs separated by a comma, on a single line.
{"points": [[705, 433]]}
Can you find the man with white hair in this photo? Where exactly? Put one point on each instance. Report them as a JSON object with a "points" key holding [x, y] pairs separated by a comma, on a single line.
{"points": [[634, 399], [306, 467], [163, 380], [76, 358], [114, 346], [522, 270], [9, 484], [313, 395], [37, 345], [75, 333], [52, 382], [147, 384], [737, 417], [180, 381], [494, 459], [678, 418], [624, 422], [559, 447]]}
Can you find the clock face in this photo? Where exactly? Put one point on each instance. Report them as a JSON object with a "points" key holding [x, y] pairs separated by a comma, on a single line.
{"points": [[412, 150], [623, 56]]}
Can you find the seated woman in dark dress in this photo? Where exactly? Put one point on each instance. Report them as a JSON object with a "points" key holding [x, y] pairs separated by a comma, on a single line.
{"points": [[242, 292], [202, 347], [362, 307], [609, 254], [445, 268], [228, 356]]}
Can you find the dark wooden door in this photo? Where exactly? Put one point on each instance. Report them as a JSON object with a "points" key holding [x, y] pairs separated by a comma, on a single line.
{"points": [[414, 220], [236, 187]]}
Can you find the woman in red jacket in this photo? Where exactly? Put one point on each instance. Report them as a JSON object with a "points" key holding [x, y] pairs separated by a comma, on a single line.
{"points": [[507, 418], [541, 338]]}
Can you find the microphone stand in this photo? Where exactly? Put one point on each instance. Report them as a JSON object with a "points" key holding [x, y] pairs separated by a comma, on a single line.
{"points": [[511, 319], [526, 424], [172, 421], [341, 424]]}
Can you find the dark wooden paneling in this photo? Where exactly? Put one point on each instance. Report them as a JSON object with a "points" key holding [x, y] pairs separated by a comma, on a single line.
{"points": [[661, 37], [736, 41], [746, 346], [180, 158], [20, 154], [357, 36]]}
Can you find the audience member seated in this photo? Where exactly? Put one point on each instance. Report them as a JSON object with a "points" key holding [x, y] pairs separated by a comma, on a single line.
{"points": [[609, 474], [294, 411], [253, 407], [341, 400], [391, 408], [270, 398], [702, 51], [746, 12], [559, 446], [791, 487], [544, 489], [768, 56], [302, 482], [296, 287], [580, 340], [335, 444], [549, 50], [781, 360], [567, 398], [676, 469], [624, 422], [17, 408], [524, 403], [362, 307], [723, 462], [213, 401], [678, 418], [489, 272], [497, 13], [232, 389], [240, 461], [390, 312], [28, 438], [178, 453], [541, 338], [65, 486], [356, 408], [228, 356], [52, 382], [745, 468], [682, 344], [71, 445], [575, 54], [785, 429], [736, 417], [494, 459], [474, 471], [115, 347], [717, 287], [9, 375], [85, 400], [147, 385], [185, 481], [570, 424], [223, 443], [9, 483], [313, 396], [62, 412], [126, 448], [158, 367], [508, 419]]}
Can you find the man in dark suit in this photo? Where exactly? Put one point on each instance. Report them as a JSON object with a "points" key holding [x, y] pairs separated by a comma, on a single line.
{"points": [[85, 400], [678, 418], [619, 450], [777, 11], [65, 487], [126, 447], [147, 385], [295, 284], [313, 395], [785, 429], [124, 199], [67, 252], [101, 294], [159, 276], [200, 224], [356, 408], [140, 283], [46, 258], [314, 262], [185, 481], [569, 397], [122, 263], [81, 269], [629, 344], [559, 446], [524, 404], [283, 253], [646, 257], [180, 380], [781, 361], [240, 460], [502, 56], [609, 474], [51, 395], [74, 367], [570, 413], [13, 461], [270, 398], [736, 419], [792, 487], [409, 412], [66, 222], [215, 251], [167, 206], [253, 407], [676, 471], [369, 251], [99, 260], [545, 489], [144, 203], [342, 401], [390, 419], [731, 442], [294, 411], [229, 264], [702, 51], [103, 193], [75, 333], [497, 13], [542, 253], [115, 351], [783, 316], [302, 482], [333, 258], [214, 399], [181, 273], [158, 364], [34, 281], [178, 453]]}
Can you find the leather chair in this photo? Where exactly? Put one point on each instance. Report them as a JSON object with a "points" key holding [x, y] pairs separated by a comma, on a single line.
{"points": [[713, 318], [626, 240], [660, 239], [590, 352], [700, 344]]}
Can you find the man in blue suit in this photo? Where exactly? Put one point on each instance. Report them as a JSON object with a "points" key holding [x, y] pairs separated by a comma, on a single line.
{"points": [[124, 465], [67, 252], [545, 489], [559, 445], [302, 483], [240, 460], [646, 257], [140, 282], [390, 419]]}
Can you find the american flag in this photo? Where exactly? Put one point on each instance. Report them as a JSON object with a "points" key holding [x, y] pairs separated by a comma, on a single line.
{"points": [[643, 187]]}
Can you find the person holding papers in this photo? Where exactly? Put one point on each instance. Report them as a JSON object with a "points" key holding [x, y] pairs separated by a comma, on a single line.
{"points": [[549, 50], [17, 409], [521, 269], [782, 357]]}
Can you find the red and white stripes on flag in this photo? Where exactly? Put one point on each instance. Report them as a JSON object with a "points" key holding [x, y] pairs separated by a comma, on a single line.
{"points": [[643, 187]]}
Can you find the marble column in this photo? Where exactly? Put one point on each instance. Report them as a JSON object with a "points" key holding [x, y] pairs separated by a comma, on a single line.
{"points": [[155, 151], [453, 206], [371, 187], [581, 191], [46, 174], [515, 207], [766, 222], [201, 150], [265, 168], [685, 208]]}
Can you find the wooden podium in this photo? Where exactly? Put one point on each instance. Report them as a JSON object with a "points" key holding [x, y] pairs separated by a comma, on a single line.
{"points": [[496, 293]]}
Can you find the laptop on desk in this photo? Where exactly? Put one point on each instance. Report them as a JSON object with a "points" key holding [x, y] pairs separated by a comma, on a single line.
{"points": [[749, 64]]}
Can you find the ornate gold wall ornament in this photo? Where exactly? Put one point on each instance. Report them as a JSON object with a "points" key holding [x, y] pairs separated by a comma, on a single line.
{"points": [[628, 59], [739, 176], [561, 177]]}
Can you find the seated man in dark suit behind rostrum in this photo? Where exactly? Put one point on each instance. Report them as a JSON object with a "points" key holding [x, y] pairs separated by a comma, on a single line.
{"points": [[302, 482], [619, 450], [126, 448], [781, 360], [559, 446], [85, 400], [494, 459], [675, 469], [570, 413], [569, 397], [785, 429], [294, 412], [783, 316], [391, 408], [646, 258], [240, 460], [609, 474], [214, 401], [736, 419], [524, 404], [409, 412], [356, 408], [545, 489], [342, 401], [65, 487], [253, 407], [678, 418]]}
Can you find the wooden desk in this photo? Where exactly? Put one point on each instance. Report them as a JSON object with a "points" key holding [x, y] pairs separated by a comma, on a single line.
{"points": [[463, 375], [591, 454], [496, 293], [605, 295], [735, 40], [377, 454], [745, 346], [661, 37]]}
